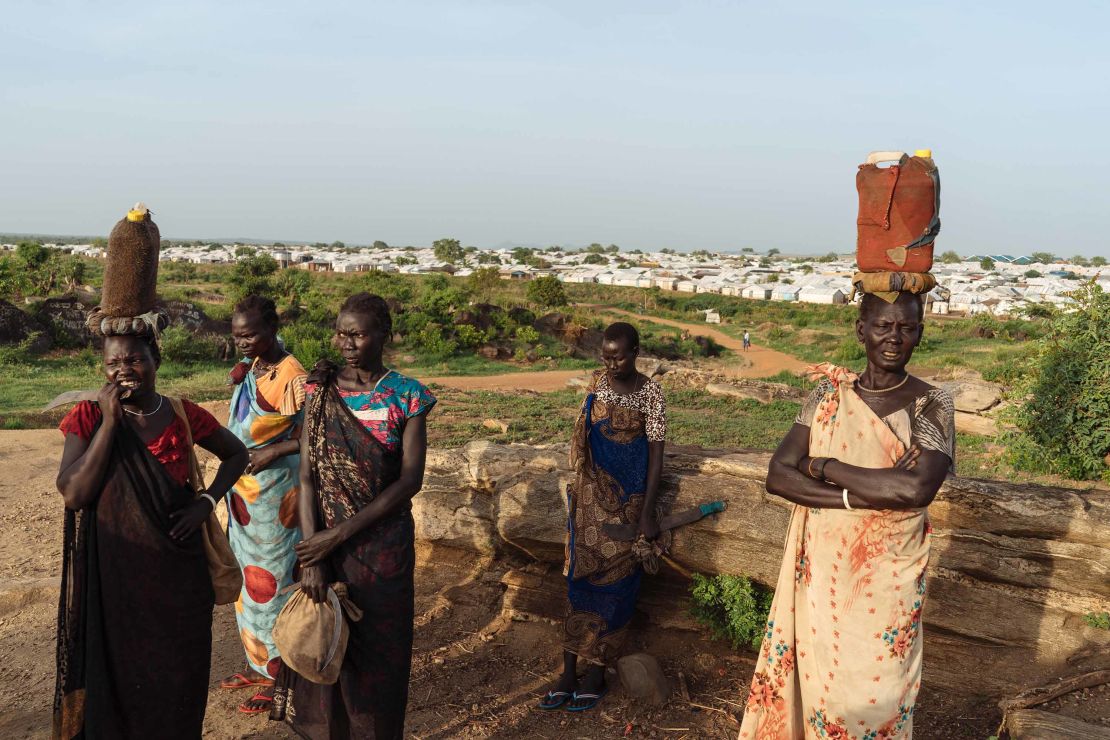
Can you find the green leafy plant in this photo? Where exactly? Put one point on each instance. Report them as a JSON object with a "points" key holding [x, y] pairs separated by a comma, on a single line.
{"points": [[1098, 620], [1064, 394], [732, 607]]}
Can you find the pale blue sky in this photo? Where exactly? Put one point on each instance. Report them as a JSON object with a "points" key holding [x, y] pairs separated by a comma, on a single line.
{"points": [[648, 124]]}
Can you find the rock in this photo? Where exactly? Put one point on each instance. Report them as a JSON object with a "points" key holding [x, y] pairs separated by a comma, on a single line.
{"points": [[973, 396], [552, 324], [67, 313], [976, 424], [1038, 555], [17, 326], [579, 381], [480, 315], [724, 389], [522, 316], [651, 366], [488, 351], [495, 425], [191, 317], [643, 679]]}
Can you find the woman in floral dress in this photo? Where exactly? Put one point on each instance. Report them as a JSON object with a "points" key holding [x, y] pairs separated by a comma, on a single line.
{"points": [[842, 654], [362, 460]]}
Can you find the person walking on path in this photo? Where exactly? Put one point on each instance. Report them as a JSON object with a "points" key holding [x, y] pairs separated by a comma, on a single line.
{"points": [[362, 460], [747, 340], [617, 458], [266, 411], [842, 653]]}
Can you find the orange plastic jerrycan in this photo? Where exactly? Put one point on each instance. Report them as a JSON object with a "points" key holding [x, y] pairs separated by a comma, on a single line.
{"points": [[899, 212]]}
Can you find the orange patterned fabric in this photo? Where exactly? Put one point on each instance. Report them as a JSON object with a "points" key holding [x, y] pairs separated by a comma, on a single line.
{"points": [[841, 657]]}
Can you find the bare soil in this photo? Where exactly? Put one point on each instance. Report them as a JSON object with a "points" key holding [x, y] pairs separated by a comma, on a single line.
{"points": [[476, 673]]}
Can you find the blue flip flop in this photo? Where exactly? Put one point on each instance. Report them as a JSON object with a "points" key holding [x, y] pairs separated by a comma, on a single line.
{"points": [[554, 699], [593, 699]]}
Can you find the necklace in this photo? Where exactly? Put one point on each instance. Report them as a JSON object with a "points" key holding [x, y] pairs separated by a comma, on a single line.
{"points": [[884, 390], [147, 413], [261, 368]]}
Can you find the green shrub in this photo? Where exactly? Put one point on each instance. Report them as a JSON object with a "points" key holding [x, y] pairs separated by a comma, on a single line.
{"points": [[1064, 394], [1098, 620], [469, 336], [18, 354], [431, 340], [849, 352], [732, 607], [181, 345], [527, 335], [310, 341]]}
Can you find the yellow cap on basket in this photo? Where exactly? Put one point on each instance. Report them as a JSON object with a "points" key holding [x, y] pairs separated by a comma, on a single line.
{"points": [[924, 153]]}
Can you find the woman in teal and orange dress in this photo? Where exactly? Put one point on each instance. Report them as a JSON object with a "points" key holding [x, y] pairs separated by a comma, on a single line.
{"points": [[266, 411], [362, 461]]}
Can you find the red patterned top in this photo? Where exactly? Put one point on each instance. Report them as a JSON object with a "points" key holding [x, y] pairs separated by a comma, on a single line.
{"points": [[169, 448]]}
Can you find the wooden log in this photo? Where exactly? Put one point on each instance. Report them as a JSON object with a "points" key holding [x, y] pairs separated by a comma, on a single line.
{"points": [[1041, 694], [1033, 724]]}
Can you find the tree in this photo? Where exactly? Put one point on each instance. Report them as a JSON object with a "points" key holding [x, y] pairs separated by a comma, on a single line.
{"points": [[251, 276], [379, 244], [595, 259], [1080, 261], [1098, 261], [99, 243], [32, 254], [806, 269], [747, 250], [244, 251], [1064, 389], [772, 252], [72, 273], [484, 281], [595, 248], [488, 258], [830, 257], [521, 255], [612, 249], [1032, 274], [669, 251], [449, 251], [950, 258], [338, 245], [1045, 258], [986, 264], [547, 292], [292, 284]]}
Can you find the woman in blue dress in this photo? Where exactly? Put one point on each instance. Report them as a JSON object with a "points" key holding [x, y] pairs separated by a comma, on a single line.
{"points": [[617, 457]]}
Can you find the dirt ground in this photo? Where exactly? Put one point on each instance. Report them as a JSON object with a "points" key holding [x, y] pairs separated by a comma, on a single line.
{"points": [[476, 673]]}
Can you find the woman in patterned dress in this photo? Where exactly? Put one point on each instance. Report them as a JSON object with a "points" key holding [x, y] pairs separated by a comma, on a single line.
{"points": [[841, 657], [362, 461], [617, 456], [266, 416]]}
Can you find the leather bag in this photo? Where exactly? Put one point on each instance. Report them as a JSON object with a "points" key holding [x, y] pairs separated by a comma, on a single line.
{"points": [[227, 576]]}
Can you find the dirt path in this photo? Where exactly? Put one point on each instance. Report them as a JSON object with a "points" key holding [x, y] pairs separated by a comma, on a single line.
{"points": [[760, 362], [757, 362]]}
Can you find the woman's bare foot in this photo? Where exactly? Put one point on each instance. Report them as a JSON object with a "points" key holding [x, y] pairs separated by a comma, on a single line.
{"points": [[258, 703]]}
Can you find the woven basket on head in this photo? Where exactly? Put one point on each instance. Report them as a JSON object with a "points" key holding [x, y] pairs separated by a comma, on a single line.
{"points": [[887, 285], [130, 279]]}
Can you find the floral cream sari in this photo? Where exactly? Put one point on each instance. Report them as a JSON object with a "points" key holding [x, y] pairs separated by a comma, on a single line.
{"points": [[841, 657]]}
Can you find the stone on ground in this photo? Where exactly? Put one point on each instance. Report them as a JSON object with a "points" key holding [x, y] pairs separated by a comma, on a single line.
{"points": [[643, 679]]}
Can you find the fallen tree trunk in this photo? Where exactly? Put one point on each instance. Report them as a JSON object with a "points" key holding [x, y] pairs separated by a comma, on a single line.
{"points": [[1014, 567]]}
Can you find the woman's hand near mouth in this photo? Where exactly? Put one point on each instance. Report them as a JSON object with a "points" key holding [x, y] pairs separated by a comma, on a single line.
{"points": [[109, 399]]}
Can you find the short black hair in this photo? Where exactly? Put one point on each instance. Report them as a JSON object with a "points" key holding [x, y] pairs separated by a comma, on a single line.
{"points": [[374, 306], [261, 305], [869, 302], [623, 330]]}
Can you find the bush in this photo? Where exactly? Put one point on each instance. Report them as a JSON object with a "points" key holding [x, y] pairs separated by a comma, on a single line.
{"points": [[547, 291], [310, 341], [527, 335], [469, 336], [1064, 394], [18, 354], [732, 607], [430, 339], [849, 352], [181, 345]]}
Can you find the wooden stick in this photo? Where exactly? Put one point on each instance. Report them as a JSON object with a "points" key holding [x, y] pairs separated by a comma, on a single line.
{"points": [[1041, 694]]}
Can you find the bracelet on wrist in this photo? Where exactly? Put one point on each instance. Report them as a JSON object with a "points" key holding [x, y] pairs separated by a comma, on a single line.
{"points": [[211, 500]]}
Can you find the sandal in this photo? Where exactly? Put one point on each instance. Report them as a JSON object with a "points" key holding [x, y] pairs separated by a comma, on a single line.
{"points": [[267, 700], [242, 681], [591, 698], [554, 699]]}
